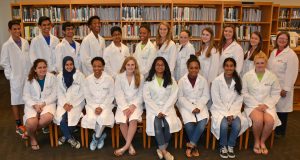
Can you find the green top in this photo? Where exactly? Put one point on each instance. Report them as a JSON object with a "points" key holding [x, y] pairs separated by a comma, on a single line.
{"points": [[260, 76], [159, 80], [143, 46]]}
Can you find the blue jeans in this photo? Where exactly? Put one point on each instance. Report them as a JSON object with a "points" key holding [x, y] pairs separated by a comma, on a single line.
{"points": [[195, 130], [234, 133], [65, 129], [162, 132]]}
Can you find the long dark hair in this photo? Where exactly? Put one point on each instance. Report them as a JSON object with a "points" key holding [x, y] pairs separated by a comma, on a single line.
{"points": [[32, 74], [167, 73], [235, 76], [223, 39], [257, 49]]}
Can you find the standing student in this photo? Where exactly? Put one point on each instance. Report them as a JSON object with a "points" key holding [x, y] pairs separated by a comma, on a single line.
{"points": [[67, 47], [115, 53], [129, 98], [160, 94], [15, 61], [40, 100], [229, 47], [261, 91], [226, 108], [92, 45], [193, 95], [99, 95], [43, 45], [256, 43], [145, 51], [284, 63], [165, 46], [184, 50], [70, 101], [208, 55]]}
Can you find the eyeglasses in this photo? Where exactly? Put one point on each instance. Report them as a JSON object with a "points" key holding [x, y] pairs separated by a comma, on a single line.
{"points": [[283, 39]]}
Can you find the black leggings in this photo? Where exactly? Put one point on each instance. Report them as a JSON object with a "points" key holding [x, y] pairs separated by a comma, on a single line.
{"points": [[283, 116]]}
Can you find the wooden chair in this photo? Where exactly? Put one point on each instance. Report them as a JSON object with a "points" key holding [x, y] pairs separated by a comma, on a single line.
{"points": [[50, 136], [247, 138], [140, 125], [240, 144], [56, 131]]}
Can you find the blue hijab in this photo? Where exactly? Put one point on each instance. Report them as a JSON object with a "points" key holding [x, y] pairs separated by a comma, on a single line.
{"points": [[68, 76]]}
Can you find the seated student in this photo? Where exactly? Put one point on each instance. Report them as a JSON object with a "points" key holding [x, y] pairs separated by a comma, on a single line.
{"points": [[115, 53], [40, 100], [184, 50], [160, 94], [261, 90], [193, 95], [70, 101], [99, 95], [226, 108], [129, 98]]}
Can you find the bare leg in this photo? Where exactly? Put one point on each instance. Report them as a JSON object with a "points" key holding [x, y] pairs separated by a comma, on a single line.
{"points": [[16, 111], [267, 130], [257, 126], [130, 133], [45, 120], [31, 127]]}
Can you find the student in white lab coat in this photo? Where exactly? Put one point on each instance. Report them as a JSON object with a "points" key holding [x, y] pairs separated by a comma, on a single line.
{"points": [[229, 47], [226, 108], [165, 46], [284, 63], [129, 98], [15, 61], [40, 100], [43, 45], [145, 51], [208, 55], [184, 50], [115, 53], [70, 101], [160, 94], [193, 95], [99, 95], [256, 44], [67, 47], [261, 91], [92, 45]]}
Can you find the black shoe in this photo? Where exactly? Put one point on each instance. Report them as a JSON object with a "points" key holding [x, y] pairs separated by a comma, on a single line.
{"points": [[231, 152], [223, 152]]}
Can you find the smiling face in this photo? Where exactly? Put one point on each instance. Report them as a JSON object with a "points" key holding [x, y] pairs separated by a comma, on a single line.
{"points": [[116, 37], [260, 65], [45, 27], [69, 66], [95, 26], [97, 68], [144, 34], [159, 67], [193, 69], [69, 32], [205, 36], [41, 70], [15, 31], [229, 68], [183, 38], [282, 41], [130, 67], [228, 33], [254, 40], [163, 31]]}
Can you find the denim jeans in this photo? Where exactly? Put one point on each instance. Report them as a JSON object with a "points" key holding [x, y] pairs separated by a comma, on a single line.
{"points": [[195, 130], [162, 132], [65, 129], [234, 133]]}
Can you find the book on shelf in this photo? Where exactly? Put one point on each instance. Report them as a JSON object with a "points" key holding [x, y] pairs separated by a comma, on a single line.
{"points": [[295, 24], [194, 14], [31, 32], [283, 24], [245, 46], [243, 32], [130, 31], [131, 46], [82, 14], [57, 31], [231, 14], [195, 29], [56, 14], [296, 13], [16, 13], [251, 15], [196, 45], [145, 13], [132, 13], [284, 13]]}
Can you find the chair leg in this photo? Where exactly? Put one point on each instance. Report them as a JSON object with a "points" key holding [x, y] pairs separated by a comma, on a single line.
{"points": [[144, 133], [82, 137], [27, 142], [176, 140], [207, 135], [214, 143], [247, 139], [118, 135], [113, 143], [149, 142], [51, 134], [86, 134], [56, 135], [272, 139], [241, 142], [180, 139]]}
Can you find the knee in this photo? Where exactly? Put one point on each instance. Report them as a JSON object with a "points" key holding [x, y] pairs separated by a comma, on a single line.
{"points": [[269, 122], [224, 124], [236, 125]]}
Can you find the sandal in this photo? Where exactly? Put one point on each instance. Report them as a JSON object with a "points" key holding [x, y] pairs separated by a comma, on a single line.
{"points": [[131, 151], [35, 147], [264, 151], [119, 152], [257, 150], [188, 151], [195, 152]]}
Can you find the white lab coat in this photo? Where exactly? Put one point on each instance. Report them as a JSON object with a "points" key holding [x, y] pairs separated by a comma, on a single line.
{"points": [[159, 99], [33, 95], [127, 94], [72, 95], [114, 58], [266, 91], [235, 51], [90, 48], [39, 49], [248, 65], [226, 102], [98, 93], [190, 98], [285, 66], [64, 49], [182, 57], [145, 57], [16, 64], [209, 65], [169, 53]]}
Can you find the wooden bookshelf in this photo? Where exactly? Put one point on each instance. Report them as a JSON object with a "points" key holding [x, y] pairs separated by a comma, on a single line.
{"points": [[289, 18]]}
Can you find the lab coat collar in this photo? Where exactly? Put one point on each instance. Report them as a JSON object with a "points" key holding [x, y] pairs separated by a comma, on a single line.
{"points": [[224, 81], [22, 41], [186, 80], [44, 41]]}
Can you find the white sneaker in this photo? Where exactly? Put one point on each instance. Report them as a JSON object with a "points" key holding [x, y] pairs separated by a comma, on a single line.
{"points": [[231, 152], [101, 141], [74, 143], [223, 152], [159, 154], [94, 143]]}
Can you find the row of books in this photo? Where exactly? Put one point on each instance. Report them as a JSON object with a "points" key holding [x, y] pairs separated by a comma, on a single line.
{"points": [[295, 24], [296, 13], [245, 46], [243, 32], [251, 15], [194, 14], [16, 13], [231, 14], [284, 13], [195, 29], [283, 24], [33, 31], [146, 13], [56, 14], [82, 14]]}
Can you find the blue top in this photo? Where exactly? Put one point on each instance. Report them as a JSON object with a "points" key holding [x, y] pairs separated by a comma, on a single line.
{"points": [[41, 83], [19, 43], [47, 38], [73, 44]]}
